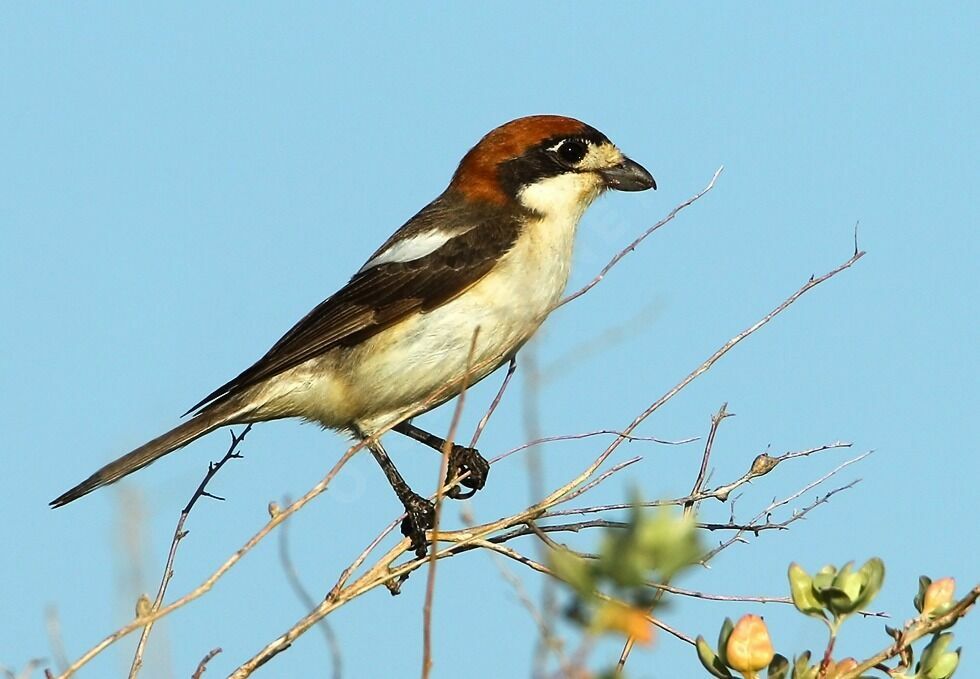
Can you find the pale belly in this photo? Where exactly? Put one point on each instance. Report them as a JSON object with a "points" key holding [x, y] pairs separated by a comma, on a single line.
{"points": [[421, 361]]}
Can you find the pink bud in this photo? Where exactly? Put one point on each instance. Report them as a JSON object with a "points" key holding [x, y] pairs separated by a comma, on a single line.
{"points": [[843, 667], [938, 595], [749, 648]]}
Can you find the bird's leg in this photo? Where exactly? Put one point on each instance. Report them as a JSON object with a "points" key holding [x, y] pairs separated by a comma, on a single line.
{"points": [[419, 512], [461, 459]]}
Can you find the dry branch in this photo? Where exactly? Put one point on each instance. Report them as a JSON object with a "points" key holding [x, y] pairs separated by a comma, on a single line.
{"points": [[179, 535]]}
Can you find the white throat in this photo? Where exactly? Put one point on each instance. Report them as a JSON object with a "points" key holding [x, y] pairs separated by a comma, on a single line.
{"points": [[562, 198]]}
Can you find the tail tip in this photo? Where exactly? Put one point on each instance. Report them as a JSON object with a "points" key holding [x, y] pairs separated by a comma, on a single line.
{"points": [[78, 491], [61, 500]]}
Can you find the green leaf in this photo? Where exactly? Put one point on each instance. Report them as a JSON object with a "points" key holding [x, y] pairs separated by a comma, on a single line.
{"points": [[842, 574], [669, 542], [824, 577], [920, 598], [873, 574], [802, 669], [933, 652], [945, 665], [849, 582], [710, 660], [836, 600], [575, 571], [801, 589], [778, 668], [726, 631], [652, 546]]}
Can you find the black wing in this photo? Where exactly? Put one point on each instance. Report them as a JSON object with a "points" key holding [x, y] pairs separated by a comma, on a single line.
{"points": [[382, 295]]}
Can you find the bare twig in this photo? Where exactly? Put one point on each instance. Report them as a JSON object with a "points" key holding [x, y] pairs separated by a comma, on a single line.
{"points": [[730, 344], [554, 642], [203, 665], [347, 572], [447, 447], [292, 576], [52, 623], [639, 239], [703, 471], [511, 369], [739, 535], [616, 468], [604, 340], [531, 416], [688, 511], [589, 434], [762, 465], [209, 583], [180, 534]]}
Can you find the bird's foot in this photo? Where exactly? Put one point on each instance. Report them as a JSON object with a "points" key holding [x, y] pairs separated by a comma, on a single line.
{"points": [[462, 460], [420, 516]]}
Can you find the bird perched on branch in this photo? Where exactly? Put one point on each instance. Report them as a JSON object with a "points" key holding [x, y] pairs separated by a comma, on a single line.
{"points": [[446, 300]]}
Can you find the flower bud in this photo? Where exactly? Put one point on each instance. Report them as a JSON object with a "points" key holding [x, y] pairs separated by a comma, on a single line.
{"points": [[626, 620], [841, 668], [749, 648], [938, 596]]}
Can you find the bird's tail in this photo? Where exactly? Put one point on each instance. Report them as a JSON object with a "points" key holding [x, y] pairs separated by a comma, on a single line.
{"points": [[149, 452]]}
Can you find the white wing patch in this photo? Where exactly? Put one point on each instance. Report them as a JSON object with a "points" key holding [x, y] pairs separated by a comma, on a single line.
{"points": [[412, 248]]}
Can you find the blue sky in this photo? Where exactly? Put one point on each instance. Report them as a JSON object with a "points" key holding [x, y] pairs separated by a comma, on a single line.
{"points": [[180, 183]]}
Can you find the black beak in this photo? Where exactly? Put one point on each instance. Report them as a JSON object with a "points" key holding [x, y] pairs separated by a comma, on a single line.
{"points": [[628, 176]]}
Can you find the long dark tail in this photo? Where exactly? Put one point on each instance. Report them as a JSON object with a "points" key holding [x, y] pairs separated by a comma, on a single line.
{"points": [[149, 452]]}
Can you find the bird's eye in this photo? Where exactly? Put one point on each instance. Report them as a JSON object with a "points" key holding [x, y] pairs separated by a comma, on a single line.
{"points": [[571, 151]]}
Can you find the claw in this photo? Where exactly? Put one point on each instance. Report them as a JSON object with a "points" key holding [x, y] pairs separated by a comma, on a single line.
{"points": [[419, 517], [461, 460]]}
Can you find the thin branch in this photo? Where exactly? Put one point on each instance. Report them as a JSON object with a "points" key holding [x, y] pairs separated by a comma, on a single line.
{"points": [[511, 369], [688, 511], [208, 584], [775, 504], [554, 642], [730, 344], [603, 341], [52, 623], [579, 526], [589, 434], [347, 572], [292, 576], [203, 665], [639, 239], [180, 534], [447, 447], [616, 468], [762, 465], [703, 471], [531, 420]]}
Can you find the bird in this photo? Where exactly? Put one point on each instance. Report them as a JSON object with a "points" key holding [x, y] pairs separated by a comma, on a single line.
{"points": [[449, 298]]}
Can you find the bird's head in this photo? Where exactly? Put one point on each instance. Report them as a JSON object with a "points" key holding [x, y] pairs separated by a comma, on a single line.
{"points": [[546, 163]]}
